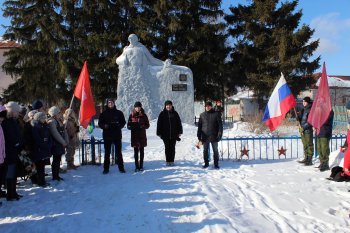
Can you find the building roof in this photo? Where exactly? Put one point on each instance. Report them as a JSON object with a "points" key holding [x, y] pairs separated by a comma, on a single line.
{"points": [[6, 44], [334, 80]]}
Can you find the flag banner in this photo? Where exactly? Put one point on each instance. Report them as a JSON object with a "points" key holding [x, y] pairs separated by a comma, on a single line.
{"points": [[83, 92], [321, 106], [280, 102], [347, 157]]}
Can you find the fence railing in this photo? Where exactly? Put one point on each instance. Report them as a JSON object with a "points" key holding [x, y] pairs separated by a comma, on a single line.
{"points": [[247, 147], [274, 147]]}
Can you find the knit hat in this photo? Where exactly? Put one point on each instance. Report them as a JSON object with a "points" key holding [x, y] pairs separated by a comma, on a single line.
{"points": [[208, 104], [31, 114], [12, 106], [3, 111], [137, 104], [348, 105], [54, 110], [168, 102], [39, 116], [307, 99], [37, 104]]}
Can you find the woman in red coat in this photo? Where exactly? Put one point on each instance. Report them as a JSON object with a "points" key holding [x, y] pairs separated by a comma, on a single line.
{"points": [[138, 123]]}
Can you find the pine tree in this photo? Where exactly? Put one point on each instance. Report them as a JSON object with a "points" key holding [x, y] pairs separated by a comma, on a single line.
{"points": [[191, 34], [35, 25], [268, 41]]}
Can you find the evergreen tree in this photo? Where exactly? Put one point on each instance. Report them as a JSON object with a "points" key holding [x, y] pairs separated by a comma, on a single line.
{"points": [[191, 34], [35, 25], [268, 41]]}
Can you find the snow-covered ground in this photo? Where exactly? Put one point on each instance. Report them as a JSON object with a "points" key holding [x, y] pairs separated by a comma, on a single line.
{"points": [[247, 196]]}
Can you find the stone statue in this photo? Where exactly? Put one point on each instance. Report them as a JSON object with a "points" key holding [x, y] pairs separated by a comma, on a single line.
{"points": [[149, 80], [136, 54]]}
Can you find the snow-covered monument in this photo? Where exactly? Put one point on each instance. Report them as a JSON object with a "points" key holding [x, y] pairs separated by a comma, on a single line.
{"points": [[151, 81]]}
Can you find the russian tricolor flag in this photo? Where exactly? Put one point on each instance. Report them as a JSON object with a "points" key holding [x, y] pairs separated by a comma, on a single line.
{"points": [[280, 102]]}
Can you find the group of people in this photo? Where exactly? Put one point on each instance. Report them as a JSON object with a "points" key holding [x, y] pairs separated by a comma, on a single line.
{"points": [[169, 129], [322, 138], [38, 135]]}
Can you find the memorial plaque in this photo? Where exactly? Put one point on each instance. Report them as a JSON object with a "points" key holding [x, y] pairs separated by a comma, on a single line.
{"points": [[183, 77], [179, 87]]}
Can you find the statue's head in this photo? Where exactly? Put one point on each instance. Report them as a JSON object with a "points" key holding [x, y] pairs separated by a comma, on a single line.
{"points": [[133, 39]]}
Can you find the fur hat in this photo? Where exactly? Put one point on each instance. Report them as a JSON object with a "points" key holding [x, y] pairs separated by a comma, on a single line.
{"points": [[3, 111], [37, 104], [39, 116], [168, 102], [12, 106], [137, 104], [348, 105], [32, 113], [208, 103], [307, 99], [54, 110]]}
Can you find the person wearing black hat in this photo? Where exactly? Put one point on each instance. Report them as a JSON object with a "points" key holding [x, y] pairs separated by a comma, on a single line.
{"points": [[169, 129], [111, 121], [138, 123], [38, 105], [210, 132], [306, 132]]}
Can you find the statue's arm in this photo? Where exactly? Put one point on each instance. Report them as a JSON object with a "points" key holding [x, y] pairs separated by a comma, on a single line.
{"points": [[123, 60]]}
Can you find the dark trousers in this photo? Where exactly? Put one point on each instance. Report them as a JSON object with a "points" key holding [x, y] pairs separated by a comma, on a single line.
{"points": [[214, 146], [118, 150], [40, 172], [2, 174], [139, 164], [55, 166], [169, 149]]}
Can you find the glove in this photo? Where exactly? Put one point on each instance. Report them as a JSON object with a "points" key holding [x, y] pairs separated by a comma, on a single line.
{"points": [[301, 131]]}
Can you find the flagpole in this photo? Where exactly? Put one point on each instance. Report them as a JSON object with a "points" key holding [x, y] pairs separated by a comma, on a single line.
{"points": [[71, 102]]}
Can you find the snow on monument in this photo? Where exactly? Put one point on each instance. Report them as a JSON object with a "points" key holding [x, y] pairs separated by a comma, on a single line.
{"points": [[151, 81]]}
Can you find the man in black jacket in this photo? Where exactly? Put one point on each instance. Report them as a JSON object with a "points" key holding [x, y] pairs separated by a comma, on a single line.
{"points": [[210, 132], [306, 132], [169, 129], [112, 121]]}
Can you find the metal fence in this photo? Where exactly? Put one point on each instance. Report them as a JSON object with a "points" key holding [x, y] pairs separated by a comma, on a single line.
{"points": [[273, 147], [247, 147]]}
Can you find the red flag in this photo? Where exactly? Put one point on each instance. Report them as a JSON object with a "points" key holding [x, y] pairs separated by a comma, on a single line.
{"points": [[346, 167], [322, 104], [83, 92]]}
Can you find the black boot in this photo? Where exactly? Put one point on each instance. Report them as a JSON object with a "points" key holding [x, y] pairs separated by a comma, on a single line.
{"points": [[308, 161], [324, 167], [206, 164], [11, 190]]}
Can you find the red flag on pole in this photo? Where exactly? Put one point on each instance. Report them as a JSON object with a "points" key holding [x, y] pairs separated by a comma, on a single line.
{"points": [[83, 92], [346, 167], [322, 104]]}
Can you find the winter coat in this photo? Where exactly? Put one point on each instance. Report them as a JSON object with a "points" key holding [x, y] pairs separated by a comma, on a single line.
{"points": [[326, 129], [59, 136], [303, 119], [169, 124], [112, 121], [13, 140], [72, 130], [28, 138], [42, 141], [2, 147], [210, 126], [138, 123]]}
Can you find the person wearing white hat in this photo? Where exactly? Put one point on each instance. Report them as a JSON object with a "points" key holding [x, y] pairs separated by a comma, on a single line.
{"points": [[60, 140], [13, 146]]}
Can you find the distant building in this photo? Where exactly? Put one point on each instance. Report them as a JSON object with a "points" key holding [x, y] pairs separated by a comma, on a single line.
{"points": [[5, 80], [339, 89]]}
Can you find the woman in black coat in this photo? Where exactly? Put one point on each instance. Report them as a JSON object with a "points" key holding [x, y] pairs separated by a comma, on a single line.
{"points": [[169, 129], [13, 146], [138, 123], [42, 145]]}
